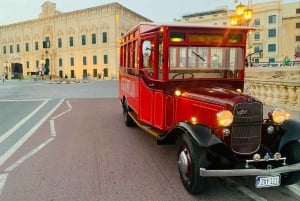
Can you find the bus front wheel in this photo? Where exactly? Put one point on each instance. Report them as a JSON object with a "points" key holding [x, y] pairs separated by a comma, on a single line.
{"points": [[190, 159], [292, 152]]}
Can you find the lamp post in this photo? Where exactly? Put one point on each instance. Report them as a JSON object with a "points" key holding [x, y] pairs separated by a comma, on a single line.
{"points": [[242, 15]]}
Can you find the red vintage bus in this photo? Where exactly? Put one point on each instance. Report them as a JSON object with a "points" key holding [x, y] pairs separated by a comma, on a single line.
{"points": [[184, 84]]}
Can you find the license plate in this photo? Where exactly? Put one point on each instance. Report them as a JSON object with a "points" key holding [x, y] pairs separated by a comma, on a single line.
{"points": [[267, 181]]}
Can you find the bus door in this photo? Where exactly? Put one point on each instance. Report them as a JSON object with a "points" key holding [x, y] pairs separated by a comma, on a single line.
{"points": [[148, 77]]}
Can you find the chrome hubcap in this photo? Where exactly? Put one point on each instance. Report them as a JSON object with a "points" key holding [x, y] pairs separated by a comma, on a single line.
{"points": [[184, 163]]}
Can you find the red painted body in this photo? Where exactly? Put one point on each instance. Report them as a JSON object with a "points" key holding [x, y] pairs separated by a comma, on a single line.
{"points": [[150, 93], [184, 84]]}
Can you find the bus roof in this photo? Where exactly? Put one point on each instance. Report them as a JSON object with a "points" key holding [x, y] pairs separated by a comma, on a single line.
{"points": [[145, 27]]}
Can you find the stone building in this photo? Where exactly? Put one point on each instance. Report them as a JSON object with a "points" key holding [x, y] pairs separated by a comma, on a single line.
{"points": [[277, 29], [74, 44]]}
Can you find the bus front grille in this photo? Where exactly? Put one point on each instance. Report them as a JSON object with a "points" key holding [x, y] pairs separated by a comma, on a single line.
{"points": [[246, 129]]}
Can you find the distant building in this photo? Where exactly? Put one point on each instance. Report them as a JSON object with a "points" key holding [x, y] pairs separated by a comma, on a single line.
{"points": [[74, 44], [277, 28]]}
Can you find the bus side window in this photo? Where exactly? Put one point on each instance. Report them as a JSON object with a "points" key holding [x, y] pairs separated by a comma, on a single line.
{"points": [[147, 57]]}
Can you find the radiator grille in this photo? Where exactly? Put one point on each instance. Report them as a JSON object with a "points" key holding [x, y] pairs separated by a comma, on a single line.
{"points": [[246, 129]]}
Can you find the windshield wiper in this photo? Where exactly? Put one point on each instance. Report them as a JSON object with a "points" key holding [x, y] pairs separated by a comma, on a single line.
{"points": [[195, 53]]}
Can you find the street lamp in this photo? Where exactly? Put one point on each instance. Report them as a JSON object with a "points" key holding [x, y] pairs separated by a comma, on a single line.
{"points": [[242, 15]]}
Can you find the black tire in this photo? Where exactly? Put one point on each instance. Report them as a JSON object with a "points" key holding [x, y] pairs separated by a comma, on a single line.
{"points": [[292, 152], [126, 117], [190, 159]]}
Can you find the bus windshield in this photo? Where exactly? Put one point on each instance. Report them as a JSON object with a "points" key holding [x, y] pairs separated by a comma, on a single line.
{"points": [[186, 62]]}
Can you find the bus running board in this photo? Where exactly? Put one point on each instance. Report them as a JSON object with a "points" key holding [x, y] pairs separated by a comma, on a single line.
{"points": [[149, 129]]}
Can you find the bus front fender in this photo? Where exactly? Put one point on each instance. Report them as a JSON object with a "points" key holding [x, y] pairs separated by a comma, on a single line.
{"points": [[200, 134], [292, 132]]}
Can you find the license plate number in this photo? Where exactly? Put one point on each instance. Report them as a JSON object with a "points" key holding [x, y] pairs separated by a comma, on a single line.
{"points": [[267, 181]]}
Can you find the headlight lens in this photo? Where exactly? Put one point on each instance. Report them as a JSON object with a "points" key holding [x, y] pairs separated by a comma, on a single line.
{"points": [[279, 115], [224, 118]]}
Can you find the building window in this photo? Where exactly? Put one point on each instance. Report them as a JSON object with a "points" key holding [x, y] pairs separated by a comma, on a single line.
{"points": [[83, 40], [272, 19], [36, 45], [94, 60], [37, 63], [18, 47], [95, 73], [272, 48], [84, 60], [72, 74], [298, 11], [256, 48], [60, 62], [257, 22], [27, 47], [71, 43], [72, 61], [297, 38], [257, 36], [4, 49], [27, 65], [105, 59], [59, 43], [94, 38], [11, 49], [46, 44], [272, 33], [297, 25], [104, 37], [271, 60]]}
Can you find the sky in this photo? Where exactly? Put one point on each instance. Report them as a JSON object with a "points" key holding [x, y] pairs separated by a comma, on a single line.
{"points": [[13, 11]]}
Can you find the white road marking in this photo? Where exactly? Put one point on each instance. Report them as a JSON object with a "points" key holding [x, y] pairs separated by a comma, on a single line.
{"points": [[294, 188], [52, 123], [20, 123], [15, 147], [3, 178], [52, 128], [31, 153], [246, 191], [61, 114], [22, 100]]}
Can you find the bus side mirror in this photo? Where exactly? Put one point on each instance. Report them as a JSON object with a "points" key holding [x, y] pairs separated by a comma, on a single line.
{"points": [[146, 48]]}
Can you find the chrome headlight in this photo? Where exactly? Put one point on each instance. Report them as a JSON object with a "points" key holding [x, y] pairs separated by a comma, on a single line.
{"points": [[279, 115], [224, 118]]}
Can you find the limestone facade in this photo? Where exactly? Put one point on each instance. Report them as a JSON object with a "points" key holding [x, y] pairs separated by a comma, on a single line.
{"points": [[82, 42], [276, 24]]}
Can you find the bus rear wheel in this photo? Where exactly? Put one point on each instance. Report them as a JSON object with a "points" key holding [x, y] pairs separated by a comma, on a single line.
{"points": [[190, 159], [126, 117]]}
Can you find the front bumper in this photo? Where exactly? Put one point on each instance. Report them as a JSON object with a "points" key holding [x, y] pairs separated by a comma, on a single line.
{"points": [[249, 172]]}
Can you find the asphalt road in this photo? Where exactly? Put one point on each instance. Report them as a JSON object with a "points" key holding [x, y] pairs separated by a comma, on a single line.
{"points": [[72, 145]]}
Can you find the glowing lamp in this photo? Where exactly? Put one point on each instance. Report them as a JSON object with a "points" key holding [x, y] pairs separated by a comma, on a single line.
{"points": [[248, 14], [224, 118], [240, 9]]}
